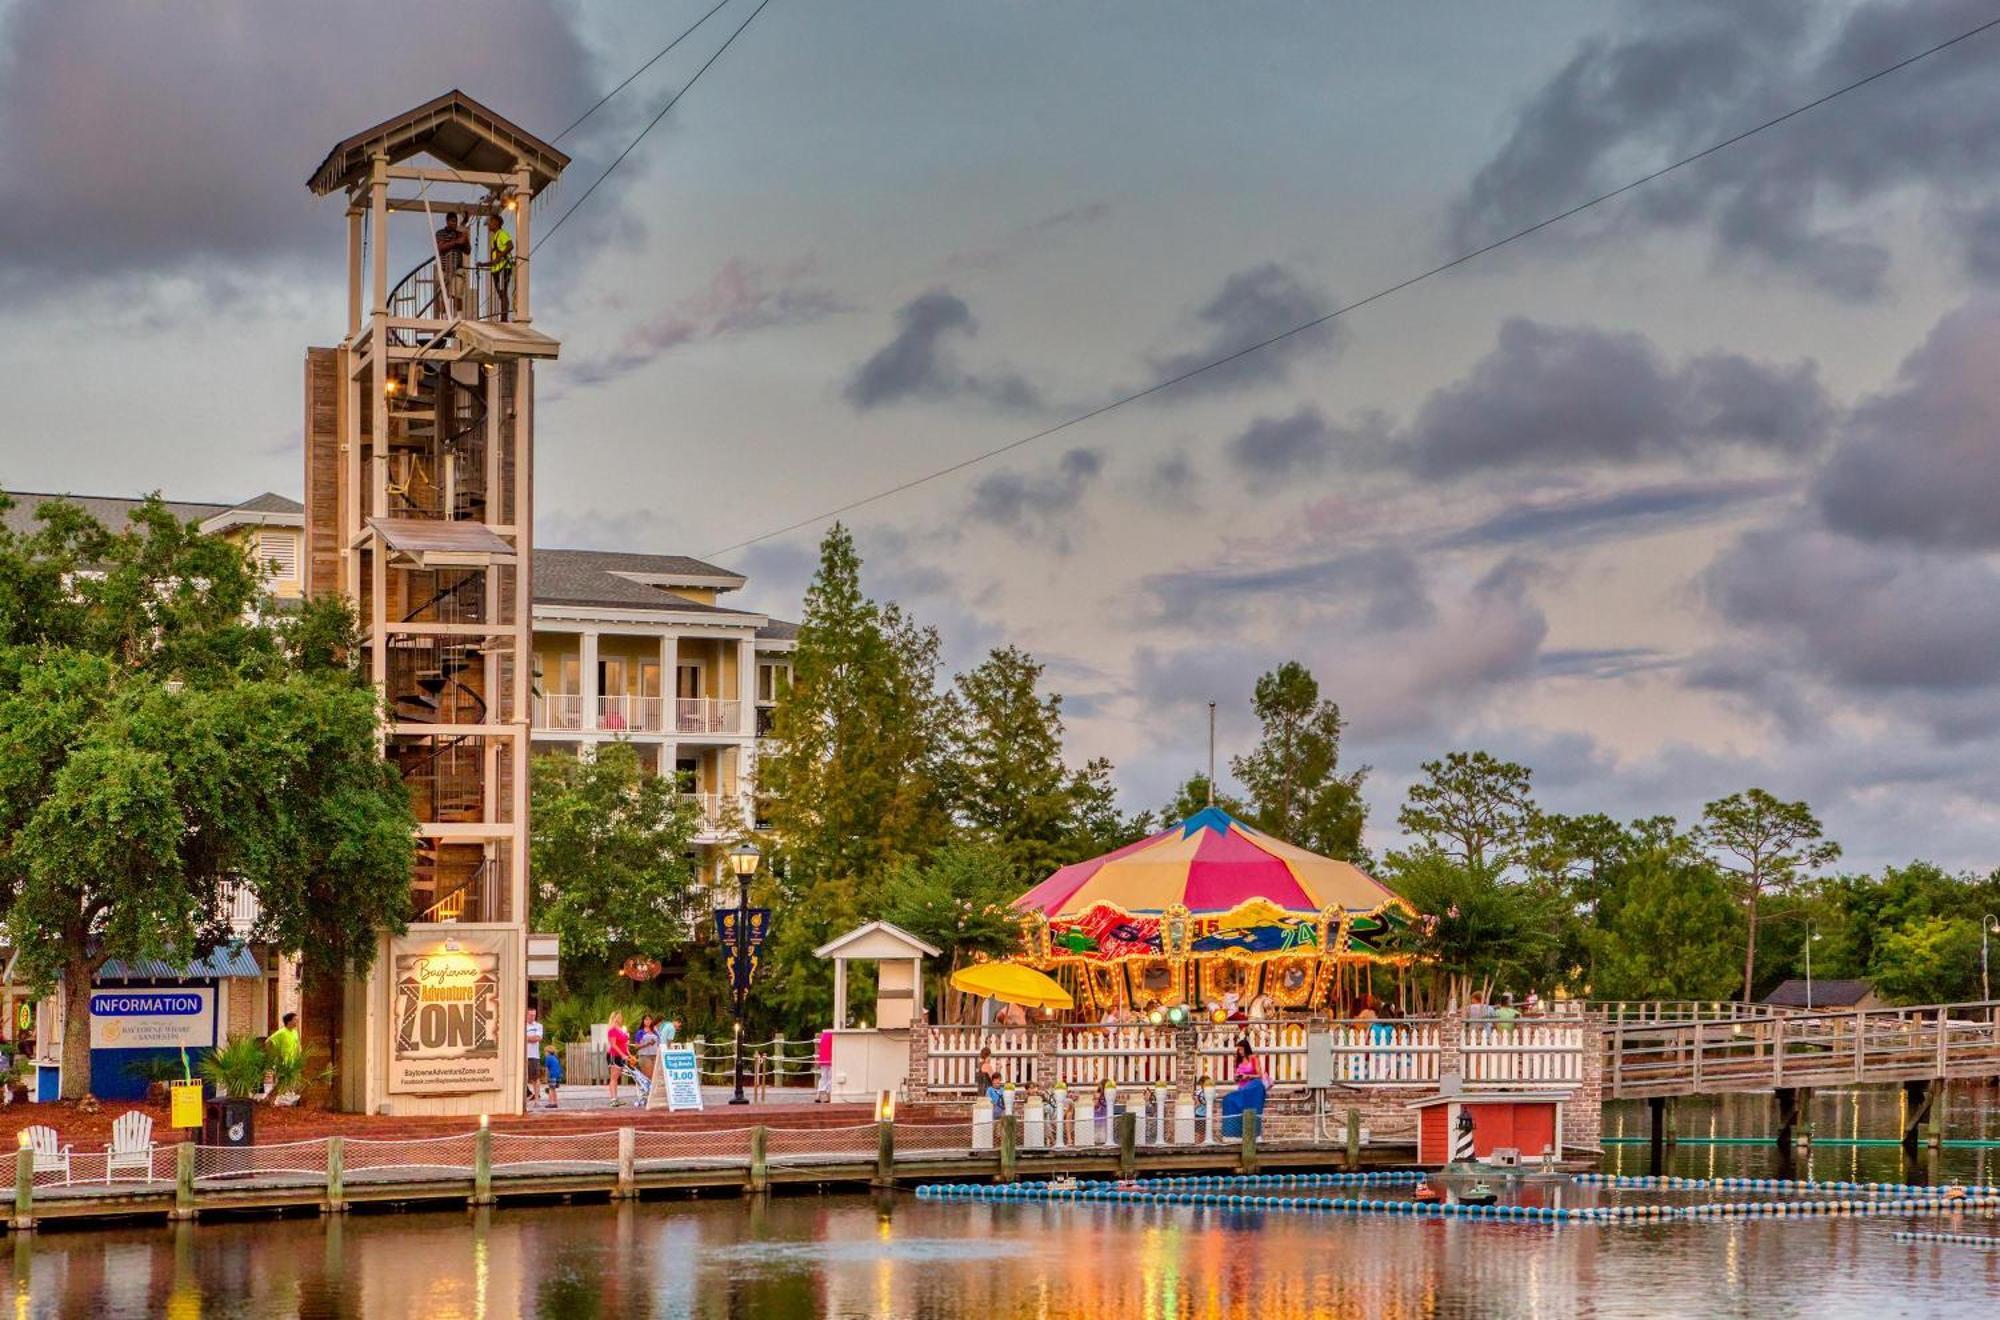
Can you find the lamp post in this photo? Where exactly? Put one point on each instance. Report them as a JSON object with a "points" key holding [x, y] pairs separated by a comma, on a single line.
{"points": [[743, 860], [1812, 938], [1988, 925]]}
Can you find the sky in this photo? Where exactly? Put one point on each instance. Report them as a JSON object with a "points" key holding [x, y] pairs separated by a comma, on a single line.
{"points": [[1695, 491]]}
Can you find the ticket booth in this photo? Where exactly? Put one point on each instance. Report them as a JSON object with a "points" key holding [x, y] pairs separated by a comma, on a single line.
{"points": [[873, 1055], [1505, 1127]]}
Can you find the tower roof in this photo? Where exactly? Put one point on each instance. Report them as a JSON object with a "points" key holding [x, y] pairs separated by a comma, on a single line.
{"points": [[455, 129]]}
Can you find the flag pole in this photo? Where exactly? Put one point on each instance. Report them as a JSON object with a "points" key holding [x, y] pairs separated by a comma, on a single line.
{"points": [[1211, 753]]}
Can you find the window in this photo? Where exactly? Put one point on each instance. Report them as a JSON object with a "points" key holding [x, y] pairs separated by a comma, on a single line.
{"points": [[278, 555], [774, 679]]}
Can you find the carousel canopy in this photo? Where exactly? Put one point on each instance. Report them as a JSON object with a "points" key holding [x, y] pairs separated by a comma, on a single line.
{"points": [[1209, 863]]}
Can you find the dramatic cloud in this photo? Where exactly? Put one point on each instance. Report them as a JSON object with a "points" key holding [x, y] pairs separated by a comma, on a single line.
{"points": [[1556, 396], [1637, 511], [741, 299], [1921, 462], [149, 141], [919, 362], [1252, 306], [1275, 450], [1382, 588], [1691, 74], [1036, 506]]}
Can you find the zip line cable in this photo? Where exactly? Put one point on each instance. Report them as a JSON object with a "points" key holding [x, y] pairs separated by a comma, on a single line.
{"points": [[636, 72], [1377, 296], [671, 103]]}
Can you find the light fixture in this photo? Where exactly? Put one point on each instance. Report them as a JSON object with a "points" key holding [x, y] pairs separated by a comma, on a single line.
{"points": [[885, 1107], [483, 1121], [513, 203], [1156, 1017], [392, 386], [744, 859], [1177, 1015]]}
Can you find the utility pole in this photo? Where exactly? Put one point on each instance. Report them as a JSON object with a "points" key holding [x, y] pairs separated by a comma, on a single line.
{"points": [[1211, 753]]}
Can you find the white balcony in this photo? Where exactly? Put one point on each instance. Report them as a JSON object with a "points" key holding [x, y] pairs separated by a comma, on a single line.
{"points": [[708, 715], [559, 710], [241, 902], [721, 814], [629, 714]]}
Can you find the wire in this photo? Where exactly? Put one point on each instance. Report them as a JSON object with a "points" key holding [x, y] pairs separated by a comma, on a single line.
{"points": [[672, 101], [1377, 296], [636, 72]]}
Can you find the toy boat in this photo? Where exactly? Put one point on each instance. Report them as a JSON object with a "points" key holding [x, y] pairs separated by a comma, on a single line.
{"points": [[1479, 1194], [1426, 1193]]}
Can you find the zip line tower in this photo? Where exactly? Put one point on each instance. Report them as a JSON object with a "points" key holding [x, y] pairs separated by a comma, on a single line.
{"points": [[419, 437]]}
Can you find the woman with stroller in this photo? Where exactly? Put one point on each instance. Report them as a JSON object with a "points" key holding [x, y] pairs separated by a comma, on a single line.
{"points": [[617, 1052]]}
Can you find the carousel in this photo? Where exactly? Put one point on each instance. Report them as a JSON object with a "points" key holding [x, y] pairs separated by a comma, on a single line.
{"points": [[1213, 912]]}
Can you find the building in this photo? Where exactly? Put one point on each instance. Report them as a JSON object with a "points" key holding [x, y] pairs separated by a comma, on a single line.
{"points": [[269, 527], [1820, 993], [640, 648]]}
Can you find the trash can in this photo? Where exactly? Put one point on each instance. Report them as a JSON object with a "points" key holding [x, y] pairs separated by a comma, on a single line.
{"points": [[228, 1122]]}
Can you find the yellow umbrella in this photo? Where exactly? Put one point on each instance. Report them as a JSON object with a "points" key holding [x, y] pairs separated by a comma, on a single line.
{"points": [[1011, 983]]}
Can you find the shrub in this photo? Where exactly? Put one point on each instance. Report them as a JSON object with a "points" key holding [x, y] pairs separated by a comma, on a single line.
{"points": [[237, 1068]]}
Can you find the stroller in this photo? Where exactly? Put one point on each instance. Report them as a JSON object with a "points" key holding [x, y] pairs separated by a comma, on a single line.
{"points": [[638, 1070]]}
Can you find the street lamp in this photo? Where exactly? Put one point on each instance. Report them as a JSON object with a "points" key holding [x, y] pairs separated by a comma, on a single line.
{"points": [[1812, 938], [743, 860], [1988, 925]]}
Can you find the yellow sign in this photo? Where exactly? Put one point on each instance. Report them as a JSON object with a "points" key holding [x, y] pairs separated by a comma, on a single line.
{"points": [[186, 1104]]}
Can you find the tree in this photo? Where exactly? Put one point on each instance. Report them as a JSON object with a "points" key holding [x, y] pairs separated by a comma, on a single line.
{"points": [[608, 850], [159, 744], [1475, 809], [1672, 933], [1194, 796], [958, 901], [1007, 774], [1767, 845], [1296, 790], [1477, 931], [854, 777], [1928, 960]]}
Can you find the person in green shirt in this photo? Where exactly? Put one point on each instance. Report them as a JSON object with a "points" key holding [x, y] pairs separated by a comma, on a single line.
{"points": [[500, 264], [1505, 1015], [284, 1042]]}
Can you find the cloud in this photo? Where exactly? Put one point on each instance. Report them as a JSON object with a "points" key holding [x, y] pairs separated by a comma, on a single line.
{"points": [[1559, 396], [1172, 480], [1272, 451], [918, 363], [1025, 239], [741, 299], [1687, 75], [1920, 463], [151, 142], [1635, 511], [1035, 506], [1252, 306], [1382, 586]]}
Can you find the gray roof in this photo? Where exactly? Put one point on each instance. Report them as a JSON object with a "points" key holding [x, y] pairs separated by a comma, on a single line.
{"points": [[269, 502], [112, 510], [777, 630], [592, 577], [1825, 994], [228, 961]]}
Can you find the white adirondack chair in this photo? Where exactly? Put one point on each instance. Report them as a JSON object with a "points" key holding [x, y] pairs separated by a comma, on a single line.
{"points": [[51, 1156], [131, 1146]]}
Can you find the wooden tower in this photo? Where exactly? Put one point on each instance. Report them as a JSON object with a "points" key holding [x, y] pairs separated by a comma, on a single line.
{"points": [[419, 508]]}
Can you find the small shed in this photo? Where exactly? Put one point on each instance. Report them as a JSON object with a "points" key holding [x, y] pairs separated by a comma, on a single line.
{"points": [[867, 1061], [1820, 993], [1526, 1122]]}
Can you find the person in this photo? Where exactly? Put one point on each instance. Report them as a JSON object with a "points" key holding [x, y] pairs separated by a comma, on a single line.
{"points": [[1014, 1016], [823, 1066], [617, 1051], [537, 1070], [1504, 1016], [1477, 1008], [987, 1079], [284, 1042], [552, 1062], [454, 248], [500, 262], [1246, 1061]]}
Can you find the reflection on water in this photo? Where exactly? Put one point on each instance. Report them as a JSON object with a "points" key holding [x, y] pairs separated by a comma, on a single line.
{"points": [[897, 1256]]}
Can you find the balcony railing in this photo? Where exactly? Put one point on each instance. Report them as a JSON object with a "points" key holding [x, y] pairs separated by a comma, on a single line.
{"points": [[639, 714], [720, 813], [559, 710], [708, 715], [243, 907]]}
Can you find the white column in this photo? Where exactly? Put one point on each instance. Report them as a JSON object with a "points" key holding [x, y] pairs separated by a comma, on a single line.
{"points": [[670, 661], [590, 678], [746, 685], [839, 993]]}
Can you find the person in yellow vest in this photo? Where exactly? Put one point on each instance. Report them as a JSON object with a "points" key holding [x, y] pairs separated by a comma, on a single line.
{"points": [[500, 262], [284, 1042]]}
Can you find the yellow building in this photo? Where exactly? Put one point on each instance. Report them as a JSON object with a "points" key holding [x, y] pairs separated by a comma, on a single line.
{"points": [[269, 527]]}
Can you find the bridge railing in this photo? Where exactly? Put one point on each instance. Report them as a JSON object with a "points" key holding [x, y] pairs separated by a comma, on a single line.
{"points": [[1803, 1049], [1670, 1011]]}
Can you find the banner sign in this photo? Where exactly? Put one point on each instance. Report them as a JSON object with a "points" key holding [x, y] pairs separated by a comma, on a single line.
{"points": [[445, 1007], [152, 1019], [682, 1079], [725, 927]]}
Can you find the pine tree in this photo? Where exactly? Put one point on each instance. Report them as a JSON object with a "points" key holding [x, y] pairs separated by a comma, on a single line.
{"points": [[1296, 789], [1011, 786]]}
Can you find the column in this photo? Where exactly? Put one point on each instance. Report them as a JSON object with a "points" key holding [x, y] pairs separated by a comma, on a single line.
{"points": [[589, 665], [670, 659], [746, 686]]}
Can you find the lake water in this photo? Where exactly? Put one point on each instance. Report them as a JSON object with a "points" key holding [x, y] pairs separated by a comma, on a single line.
{"points": [[799, 1255]]}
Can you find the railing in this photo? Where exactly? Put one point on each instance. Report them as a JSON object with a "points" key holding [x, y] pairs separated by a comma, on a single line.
{"points": [[418, 297], [1125, 1056], [1628, 1011], [559, 710], [636, 713], [1525, 1052], [1820, 1048], [954, 1055], [707, 715], [240, 901], [717, 813]]}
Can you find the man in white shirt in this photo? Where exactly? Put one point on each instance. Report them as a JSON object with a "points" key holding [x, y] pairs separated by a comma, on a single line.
{"points": [[537, 1071]]}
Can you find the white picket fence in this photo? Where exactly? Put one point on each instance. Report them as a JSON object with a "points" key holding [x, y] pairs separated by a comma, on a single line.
{"points": [[1518, 1052]]}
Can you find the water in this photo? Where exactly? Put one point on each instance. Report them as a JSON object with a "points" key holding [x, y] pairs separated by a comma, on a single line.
{"points": [[900, 1257]]}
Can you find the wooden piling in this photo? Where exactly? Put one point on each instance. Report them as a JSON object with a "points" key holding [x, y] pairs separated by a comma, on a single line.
{"points": [[760, 1158], [1010, 1147], [183, 1182], [885, 1153], [1126, 1125], [336, 1175], [482, 1167], [628, 1159], [1247, 1161], [1353, 1138], [24, 1191]]}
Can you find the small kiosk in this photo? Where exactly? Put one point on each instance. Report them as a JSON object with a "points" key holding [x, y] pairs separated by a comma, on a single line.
{"points": [[868, 1061]]}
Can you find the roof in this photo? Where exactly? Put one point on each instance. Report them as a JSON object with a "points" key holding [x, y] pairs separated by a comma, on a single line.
{"points": [[877, 939], [456, 130], [1489, 1098], [628, 581], [114, 511], [228, 961], [269, 502], [778, 630], [442, 543], [1825, 994]]}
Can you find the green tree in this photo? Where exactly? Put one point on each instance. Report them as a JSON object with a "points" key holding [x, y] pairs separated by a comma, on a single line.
{"points": [[1769, 846], [1928, 960], [1193, 796], [854, 777], [1007, 774], [159, 744], [1475, 809], [1479, 932], [608, 848], [1673, 932], [1293, 776], [958, 901]]}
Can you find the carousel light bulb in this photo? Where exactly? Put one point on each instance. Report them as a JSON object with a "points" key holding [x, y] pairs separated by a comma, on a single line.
{"points": [[1156, 1017]]}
